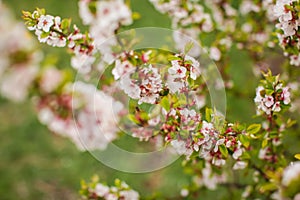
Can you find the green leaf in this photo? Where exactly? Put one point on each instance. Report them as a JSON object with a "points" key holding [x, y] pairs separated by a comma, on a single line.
{"points": [[244, 140], [26, 13], [41, 11], [65, 23], [132, 118], [269, 91], [165, 103], [264, 143], [268, 187], [290, 123], [45, 34], [208, 113], [253, 128], [170, 58], [223, 150]]}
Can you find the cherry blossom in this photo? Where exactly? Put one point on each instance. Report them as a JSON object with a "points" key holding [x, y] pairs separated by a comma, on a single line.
{"points": [[147, 89], [45, 22], [94, 125], [292, 172], [177, 71]]}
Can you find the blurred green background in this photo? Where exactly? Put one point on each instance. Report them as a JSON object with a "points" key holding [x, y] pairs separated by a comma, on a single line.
{"points": [[36, 164]]}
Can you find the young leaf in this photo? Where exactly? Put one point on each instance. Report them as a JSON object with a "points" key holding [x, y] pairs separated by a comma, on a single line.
{"points": [[264, 143], [165, 103], [65, 23], [253, 128], [244, 140], [208, 113], [223, 150], [297, 156]]}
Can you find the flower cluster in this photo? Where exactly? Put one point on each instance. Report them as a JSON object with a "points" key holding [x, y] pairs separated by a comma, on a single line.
{"points": [[146, 87], [19, 59], [272, 96], [287, 15], [182, 68], [166, 99], [97, 190], [57, 33], [104, 18], [291, 181], [214, 18], [82, 113]]}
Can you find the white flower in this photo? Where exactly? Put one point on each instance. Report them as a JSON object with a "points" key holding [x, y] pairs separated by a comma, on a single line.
{"points": [[268, 100], [218, 162], [50, 79], [262, 153], [180, 147], [174, 85], [248, 6], [297, 196], [184, 192], [207, 128], [111, 197], [129, 195], [230, 11], [279, 8], [97, 121], [130, 87], [219, 142], [96, 116], [186, 113], [177, 71], [258, 97], [276, 107], [45, 115], [195, 67], [112, 12], [84, 12], [237, 153], [56, 41], [41, 38], [286, 95], [209, 179], [215, 53], [82, 62], [101, 190], [247, 191], [17, 81], [295, 60], [45, 22], [240, 165], [122, 68], [291, 173]]}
